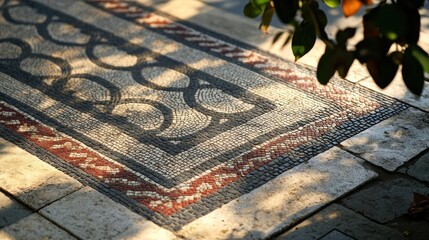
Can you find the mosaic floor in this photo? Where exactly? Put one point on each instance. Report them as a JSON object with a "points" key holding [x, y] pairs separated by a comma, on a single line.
{"points": [[170, 119]]}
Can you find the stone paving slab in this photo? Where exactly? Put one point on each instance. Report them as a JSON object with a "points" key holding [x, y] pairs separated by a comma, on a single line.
{"points": [[336, 235], [415, 229], [31, 180], [11, 211], [398, 90], [290, 197], [337, 222], [386, 200], [394, 141], [420, 169], [89, 214], [34, 227]]}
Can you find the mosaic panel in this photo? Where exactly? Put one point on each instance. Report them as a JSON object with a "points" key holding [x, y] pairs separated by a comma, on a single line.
{"points": [[172, 123]]}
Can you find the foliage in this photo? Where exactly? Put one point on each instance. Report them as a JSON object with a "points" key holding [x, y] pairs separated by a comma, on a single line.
{"points": [[391, 31]]}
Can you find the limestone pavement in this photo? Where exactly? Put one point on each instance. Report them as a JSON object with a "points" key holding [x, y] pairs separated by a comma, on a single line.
{"points": [[359, 188]]}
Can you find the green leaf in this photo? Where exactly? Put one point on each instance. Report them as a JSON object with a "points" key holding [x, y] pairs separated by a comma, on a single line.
{"points": [[303, 39], [326, 67], [312, 13], [286, 10], [382, 71], [396, 56], [412, 73], [372, 48], [251, 11], [370, 30], [421, 56], [321, 17], [412, 3], [344, 35], [413, 26], [332, 3], [267, 16], [346, 60], [259, 3], [391, 20], [388, 70]]}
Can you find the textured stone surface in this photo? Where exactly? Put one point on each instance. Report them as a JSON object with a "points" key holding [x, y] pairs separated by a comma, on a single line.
{"points": [[34, 227], [31, 180], [284, 200], [11, 211], [386, 200], [420, 169], [336, 235], [336, 221], [214, 18], [398, 90], [103, 218], [415, 229], [394, 141]]}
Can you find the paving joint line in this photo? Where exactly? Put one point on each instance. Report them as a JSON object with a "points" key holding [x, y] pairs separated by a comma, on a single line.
{"points": [[296, 223], [66, 195], [59, 226], [363, 215], [35, 211], [383, 172], [276, 234], [51, 220], [365, 163], [335, 201], [7, 193], [413, 161], [383, 176]]}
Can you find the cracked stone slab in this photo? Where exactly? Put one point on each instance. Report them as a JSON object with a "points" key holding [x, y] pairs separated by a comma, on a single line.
{"points": [[286, 199], [338, 222], [420, 169], [11, 211], [394, 141], [90, 215], [386, 200], [31, 180], [34, 227]]}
